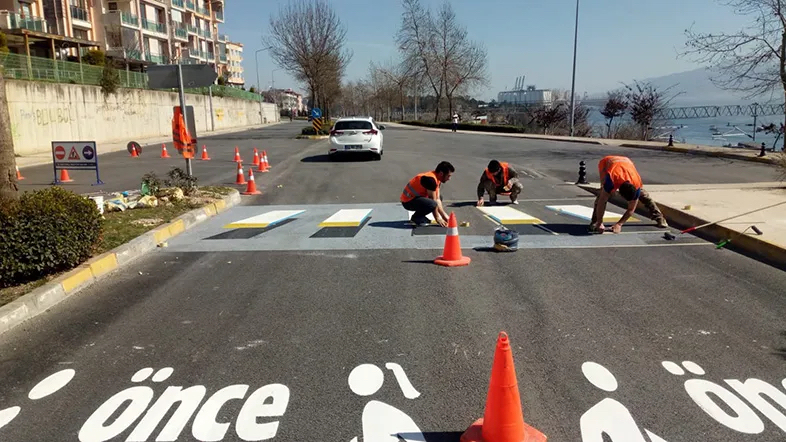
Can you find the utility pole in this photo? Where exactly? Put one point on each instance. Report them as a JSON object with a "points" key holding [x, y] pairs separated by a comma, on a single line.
{"points": [[573, 82]]}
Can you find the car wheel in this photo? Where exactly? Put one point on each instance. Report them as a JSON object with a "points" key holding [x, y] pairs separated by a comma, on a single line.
{"points": [[377, 157], [332, 157]]}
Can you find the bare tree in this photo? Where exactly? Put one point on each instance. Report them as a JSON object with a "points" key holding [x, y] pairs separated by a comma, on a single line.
{"points": [[307, 39], [646, 101], [8, 184], [400, 77], [751, 60], [615, 107], [546, 117], [418, 43]]}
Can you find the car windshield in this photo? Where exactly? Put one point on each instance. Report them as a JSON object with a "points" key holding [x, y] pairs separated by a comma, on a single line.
{"points": [[356, 125]]}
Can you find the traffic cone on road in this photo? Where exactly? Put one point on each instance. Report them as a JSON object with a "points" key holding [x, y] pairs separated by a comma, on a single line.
{"points": [[503, 420], [64, 178], [256, 157], [19, 176], [134, 153], [251, 189], [451, 255], [205, 157], [267, 163], [164, 153], [240, 178], [237, 156], [263, 164]]}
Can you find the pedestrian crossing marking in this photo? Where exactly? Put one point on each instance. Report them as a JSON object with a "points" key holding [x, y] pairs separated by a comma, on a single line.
{"points": [[346, 218], [430, 217], [509, 215], [264, 220], [585, 213]]}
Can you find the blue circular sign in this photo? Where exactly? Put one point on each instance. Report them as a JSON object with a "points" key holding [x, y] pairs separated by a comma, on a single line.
{"points": [[316, 112], [88, 153]]}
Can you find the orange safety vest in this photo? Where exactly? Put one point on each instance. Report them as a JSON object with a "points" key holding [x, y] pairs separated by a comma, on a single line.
{"points": [[620, 169], [180, 137], [414, 189], [490, 175]]}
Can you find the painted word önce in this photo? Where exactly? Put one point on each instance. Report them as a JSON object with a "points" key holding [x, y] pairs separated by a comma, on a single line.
{"points": [[112, 419]]}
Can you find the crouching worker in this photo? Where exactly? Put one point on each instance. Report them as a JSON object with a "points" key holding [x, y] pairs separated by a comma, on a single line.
{"points": [[422, 195], [499, 178], [619, 173]]}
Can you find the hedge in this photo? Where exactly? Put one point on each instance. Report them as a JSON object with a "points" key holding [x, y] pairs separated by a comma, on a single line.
{"points": [[45, 232], [467, 126]]}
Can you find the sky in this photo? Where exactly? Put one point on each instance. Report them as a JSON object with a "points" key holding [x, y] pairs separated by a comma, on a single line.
{"points": [[618, 40]]}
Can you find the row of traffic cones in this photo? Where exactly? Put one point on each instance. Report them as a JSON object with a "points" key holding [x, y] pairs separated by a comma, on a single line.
{"points": [[251, 185], [260, 160], [64, 178]]}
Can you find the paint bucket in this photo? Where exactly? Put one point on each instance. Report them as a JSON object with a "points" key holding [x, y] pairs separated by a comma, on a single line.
{"points": [[99, 200], [505, 239]]}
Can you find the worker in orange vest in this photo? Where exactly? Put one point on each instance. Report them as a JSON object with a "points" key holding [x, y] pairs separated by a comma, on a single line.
{"points": [[499, 178], [619, 173], [423, 195]]}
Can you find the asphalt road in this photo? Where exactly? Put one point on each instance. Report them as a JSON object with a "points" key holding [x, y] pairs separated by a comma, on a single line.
{"points": [[615, 338]]}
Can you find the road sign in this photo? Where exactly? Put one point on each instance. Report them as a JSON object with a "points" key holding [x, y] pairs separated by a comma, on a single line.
{"points": [[75, 155], [134, 145], [194, 75], [316, 123], [316, 113]]}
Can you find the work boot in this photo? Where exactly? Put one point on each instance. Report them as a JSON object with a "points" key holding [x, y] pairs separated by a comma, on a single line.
{"points": [[512, 201], [420, 222], [662, 223]]}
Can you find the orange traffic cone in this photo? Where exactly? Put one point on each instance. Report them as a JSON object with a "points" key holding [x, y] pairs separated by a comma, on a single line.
{"points": [[240, 178], [19, 176], [64, 178], [134, 154], [251, 189], [237, 156], [205, 157], [263, 164], [256, 157], [267, 163], [503, 420], [164, 153], [451, 255]]}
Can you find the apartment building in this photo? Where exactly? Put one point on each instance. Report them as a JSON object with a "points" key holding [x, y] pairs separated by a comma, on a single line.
{"points": [[234, 67], [50, 28]]}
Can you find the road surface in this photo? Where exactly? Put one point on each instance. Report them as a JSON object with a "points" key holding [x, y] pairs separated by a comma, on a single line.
{"points": [[294, 331]]}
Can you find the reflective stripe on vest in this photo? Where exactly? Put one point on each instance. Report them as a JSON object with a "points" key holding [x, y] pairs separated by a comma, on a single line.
{"points": [[414, 189], [490, 176]]}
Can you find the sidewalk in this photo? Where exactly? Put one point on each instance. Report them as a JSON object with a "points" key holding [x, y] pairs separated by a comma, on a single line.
{"points": [[690, 205], [103, 148], [714, 151]]}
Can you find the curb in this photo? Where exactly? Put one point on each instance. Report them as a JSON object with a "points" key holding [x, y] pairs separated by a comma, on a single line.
{"points": [[708, 153], [746, 245], [41, 299], [312, 137]]}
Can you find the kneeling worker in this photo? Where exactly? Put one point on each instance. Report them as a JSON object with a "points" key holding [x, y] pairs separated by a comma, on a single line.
{"points": [[422, 195], [499, 178], [619, 173]]}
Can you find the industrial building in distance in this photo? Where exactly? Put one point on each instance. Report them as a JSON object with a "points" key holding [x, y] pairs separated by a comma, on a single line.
{"points": [[521, 96]]}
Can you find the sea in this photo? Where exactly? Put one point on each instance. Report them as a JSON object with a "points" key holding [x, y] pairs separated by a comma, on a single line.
{"points": [[722, 131]]}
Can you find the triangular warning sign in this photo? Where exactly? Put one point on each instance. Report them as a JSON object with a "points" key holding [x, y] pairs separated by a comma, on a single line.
{"points": [[74, 155]]}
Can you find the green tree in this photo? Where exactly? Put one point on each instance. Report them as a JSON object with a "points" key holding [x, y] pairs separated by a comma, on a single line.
{"points": [[95, 57]]}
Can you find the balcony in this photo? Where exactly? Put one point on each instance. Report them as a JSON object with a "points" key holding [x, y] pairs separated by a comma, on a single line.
{"points": [[206, 33], [223, 38], [15, 21], [190, 5], [81, 15], [218, 16], [129, 19], [181, 32], [223, 58], [192, 29], [179, 4], [211, 56], [152, 26], [203, 11], [155, 58]]}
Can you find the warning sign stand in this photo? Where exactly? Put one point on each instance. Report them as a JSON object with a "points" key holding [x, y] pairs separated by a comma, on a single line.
{"points": [[75, 155]]}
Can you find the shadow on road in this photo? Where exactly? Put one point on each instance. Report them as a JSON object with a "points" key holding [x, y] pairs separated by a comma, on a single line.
{"points": [[419, 261], [434, 436], [403, 224], [781, 351], [324, 158], [463, 204]]}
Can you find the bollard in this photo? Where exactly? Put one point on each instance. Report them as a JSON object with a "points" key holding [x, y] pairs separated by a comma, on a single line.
{"points": [[761, 154], [671, 141], [582, 173]]}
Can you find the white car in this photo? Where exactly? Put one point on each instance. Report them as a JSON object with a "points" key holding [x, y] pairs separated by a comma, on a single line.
{"points": [[352, 135]]}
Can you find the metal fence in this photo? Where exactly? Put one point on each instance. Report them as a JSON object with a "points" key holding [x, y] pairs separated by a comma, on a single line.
{"points": [[21, 67]]}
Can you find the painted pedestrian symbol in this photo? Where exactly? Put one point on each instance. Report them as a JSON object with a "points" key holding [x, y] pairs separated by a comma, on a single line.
{"points": [[88, 152], [383, 422], [74, 155]]}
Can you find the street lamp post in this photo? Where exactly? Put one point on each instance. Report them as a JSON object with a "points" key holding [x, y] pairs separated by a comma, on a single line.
{"points": [[573, 81], [259, 90]]}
